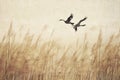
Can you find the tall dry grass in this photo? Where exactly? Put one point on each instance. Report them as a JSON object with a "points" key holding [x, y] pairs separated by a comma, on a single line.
{"points": [[34, 60]]}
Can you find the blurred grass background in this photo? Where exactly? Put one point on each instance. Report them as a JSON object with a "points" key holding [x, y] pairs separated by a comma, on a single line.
{"points": [[29, 58]]}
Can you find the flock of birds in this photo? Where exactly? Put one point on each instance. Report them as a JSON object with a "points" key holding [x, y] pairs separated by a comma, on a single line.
{"points": [[68, 21]]}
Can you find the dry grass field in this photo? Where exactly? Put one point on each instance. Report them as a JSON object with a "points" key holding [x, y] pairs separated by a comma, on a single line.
{"points": [[37, 60]]}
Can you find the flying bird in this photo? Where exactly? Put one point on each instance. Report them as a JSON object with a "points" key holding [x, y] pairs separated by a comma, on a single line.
{"points": [[68, 21], [79, 24]]}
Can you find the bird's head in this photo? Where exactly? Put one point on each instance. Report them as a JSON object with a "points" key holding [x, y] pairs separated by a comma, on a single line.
{"points": [[61, 20]]}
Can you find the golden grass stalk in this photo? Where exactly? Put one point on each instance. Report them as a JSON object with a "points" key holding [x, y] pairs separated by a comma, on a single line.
{"points": [[30, 60]]}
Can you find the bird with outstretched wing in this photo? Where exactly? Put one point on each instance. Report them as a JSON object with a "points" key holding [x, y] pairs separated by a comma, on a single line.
{"points": [[79, 23], [68, 21]]}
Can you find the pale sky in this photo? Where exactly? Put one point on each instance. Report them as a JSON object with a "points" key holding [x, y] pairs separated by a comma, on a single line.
{"points": [[35, 14]]}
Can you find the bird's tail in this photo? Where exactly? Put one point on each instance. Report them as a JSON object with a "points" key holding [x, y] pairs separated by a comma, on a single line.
{"points": [[71, 23]]}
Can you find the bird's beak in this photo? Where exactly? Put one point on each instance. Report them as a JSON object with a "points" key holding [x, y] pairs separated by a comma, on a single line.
{"points": [[60, 20]]}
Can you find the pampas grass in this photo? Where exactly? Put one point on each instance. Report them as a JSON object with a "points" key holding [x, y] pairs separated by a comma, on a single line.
{"points": [[34, 60]]}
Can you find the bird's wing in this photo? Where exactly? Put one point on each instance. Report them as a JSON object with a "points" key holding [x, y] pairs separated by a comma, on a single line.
{"points": [[82, 20], [69, 18]]}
